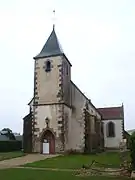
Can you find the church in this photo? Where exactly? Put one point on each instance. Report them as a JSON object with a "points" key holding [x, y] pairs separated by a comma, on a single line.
{"points": [[61, 118]]}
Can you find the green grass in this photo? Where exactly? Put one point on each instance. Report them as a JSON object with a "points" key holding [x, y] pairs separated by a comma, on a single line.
{"points": [[76, 161], [10, 155], [29, 174]]}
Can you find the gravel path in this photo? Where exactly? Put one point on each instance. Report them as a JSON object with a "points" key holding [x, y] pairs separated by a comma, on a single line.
{"points": [[10, 163]]}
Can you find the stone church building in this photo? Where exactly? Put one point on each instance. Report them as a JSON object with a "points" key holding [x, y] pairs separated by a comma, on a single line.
{"points": [[61, 117]]}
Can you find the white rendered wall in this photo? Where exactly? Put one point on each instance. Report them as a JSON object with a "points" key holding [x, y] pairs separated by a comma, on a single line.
{"points": [[113, 142]]}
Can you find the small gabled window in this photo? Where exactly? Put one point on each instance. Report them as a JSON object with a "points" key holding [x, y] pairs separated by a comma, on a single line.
{"points": [[48, 66]]}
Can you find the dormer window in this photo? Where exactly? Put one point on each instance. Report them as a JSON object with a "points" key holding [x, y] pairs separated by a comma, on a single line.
{"points": [[48, 66]]}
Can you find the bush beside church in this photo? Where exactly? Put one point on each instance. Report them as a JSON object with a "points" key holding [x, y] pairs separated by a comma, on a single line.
{"points": [[11, 145], [9, 141]]}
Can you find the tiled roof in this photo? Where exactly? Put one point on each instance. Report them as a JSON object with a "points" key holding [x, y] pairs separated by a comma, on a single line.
{"points": [[111, 112]]}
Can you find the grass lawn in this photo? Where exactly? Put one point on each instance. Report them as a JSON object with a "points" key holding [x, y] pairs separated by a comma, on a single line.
{"points": [[76, 161], [10, 155], [29, 174]]}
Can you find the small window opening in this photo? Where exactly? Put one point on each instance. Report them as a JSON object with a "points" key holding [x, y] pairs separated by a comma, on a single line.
{"points": [[67, 70], [48, 66]]}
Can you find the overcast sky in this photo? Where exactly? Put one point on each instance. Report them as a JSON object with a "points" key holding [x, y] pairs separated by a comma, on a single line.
{"points": [[98, 37]]}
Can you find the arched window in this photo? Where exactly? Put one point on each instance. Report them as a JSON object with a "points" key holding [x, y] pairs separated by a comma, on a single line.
{"points": [[111, 129], [48, 66]]}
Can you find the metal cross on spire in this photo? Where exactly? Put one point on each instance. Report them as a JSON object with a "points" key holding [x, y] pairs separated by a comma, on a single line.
{"points": [[53, 18]]}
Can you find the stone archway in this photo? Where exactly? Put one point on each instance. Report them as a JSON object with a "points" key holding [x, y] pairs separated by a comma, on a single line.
{"points": [[47, 141]]}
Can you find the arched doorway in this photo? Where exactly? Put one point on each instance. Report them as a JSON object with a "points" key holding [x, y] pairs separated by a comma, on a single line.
{"points": [[48, 142]]}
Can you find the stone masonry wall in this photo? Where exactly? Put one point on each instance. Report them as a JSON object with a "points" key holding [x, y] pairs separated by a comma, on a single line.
{"points": [[77, 122], [48, 99]]}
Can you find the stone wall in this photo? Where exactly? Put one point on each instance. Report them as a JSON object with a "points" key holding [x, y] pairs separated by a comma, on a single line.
{"points": [[57, 98], [53, 113], [77, 122], [47, 101], [66, 77], [47, 84]]}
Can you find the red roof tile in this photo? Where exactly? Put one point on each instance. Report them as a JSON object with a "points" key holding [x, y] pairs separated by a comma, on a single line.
{"points": [[111, 112]]}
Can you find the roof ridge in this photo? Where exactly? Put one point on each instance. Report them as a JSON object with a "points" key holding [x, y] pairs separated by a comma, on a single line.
{"points": [[109, 107]]}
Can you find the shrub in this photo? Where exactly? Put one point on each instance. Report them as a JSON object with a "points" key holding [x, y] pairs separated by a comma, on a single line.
{"points": [[7, 146], [132, 150]]}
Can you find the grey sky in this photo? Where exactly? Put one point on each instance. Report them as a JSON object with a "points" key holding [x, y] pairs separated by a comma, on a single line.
{"points": [[97, 36]]}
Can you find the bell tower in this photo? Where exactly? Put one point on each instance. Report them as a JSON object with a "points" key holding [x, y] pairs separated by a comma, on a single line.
{"points": [[52, 73], [52, 91]]}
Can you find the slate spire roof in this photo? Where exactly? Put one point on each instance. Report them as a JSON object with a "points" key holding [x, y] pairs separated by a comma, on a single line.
{"points": [[52, 47]]}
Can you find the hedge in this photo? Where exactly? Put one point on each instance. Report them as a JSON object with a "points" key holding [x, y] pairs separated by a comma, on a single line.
{"points": [[7, 146], [132, 150]]}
